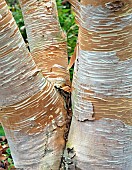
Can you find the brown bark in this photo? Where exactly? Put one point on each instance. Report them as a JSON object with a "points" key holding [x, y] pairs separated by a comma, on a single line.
{"points": [[100, 133], [31, 111], [47, 41]]}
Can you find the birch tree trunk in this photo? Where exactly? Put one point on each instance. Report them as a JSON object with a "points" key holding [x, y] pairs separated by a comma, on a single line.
{"points": [[47, 41], [100, 136], [31, 111]]}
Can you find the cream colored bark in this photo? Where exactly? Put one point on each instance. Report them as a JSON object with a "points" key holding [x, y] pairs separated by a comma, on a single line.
{"points": [[100, 136], [47, 41], [31, 111]]}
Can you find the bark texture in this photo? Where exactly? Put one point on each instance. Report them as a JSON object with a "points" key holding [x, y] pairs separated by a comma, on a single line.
{"points": [[101, 131], [31, 111], [47, 41]]}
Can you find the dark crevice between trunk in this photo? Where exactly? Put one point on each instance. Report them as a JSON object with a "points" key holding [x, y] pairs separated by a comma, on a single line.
{"points": [[68, 154]]}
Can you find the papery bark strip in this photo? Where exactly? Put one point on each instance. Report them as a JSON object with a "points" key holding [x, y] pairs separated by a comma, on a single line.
{"points": [[31, 111], [101, 129], [47, 41]]}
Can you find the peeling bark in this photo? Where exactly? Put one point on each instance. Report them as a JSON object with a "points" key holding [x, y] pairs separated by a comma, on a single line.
{"points": [[100, 145], [47, 41], [31, 110], [101, 131]]}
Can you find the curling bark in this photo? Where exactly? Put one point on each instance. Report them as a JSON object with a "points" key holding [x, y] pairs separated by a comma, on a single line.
{"points": [[31, 111], [47, 41], [101, 128]]}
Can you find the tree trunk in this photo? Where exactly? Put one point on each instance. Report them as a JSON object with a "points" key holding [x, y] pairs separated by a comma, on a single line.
{"points": [[31, 111], [47, 41], [101, 131]]}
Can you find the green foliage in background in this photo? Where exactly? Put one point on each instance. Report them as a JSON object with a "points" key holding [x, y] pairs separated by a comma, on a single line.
{"points": [[67, 22], [66, 17], [17, 14], [1, 131]]}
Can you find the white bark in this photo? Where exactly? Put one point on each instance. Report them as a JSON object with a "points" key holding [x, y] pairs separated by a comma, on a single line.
{"points": [[47, 41], [100, 133], [100, 137], [31, 111], [100, 145]]}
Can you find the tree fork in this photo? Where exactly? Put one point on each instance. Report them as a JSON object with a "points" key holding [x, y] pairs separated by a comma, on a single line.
{"points": [[47, 41], [32, 112]]}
